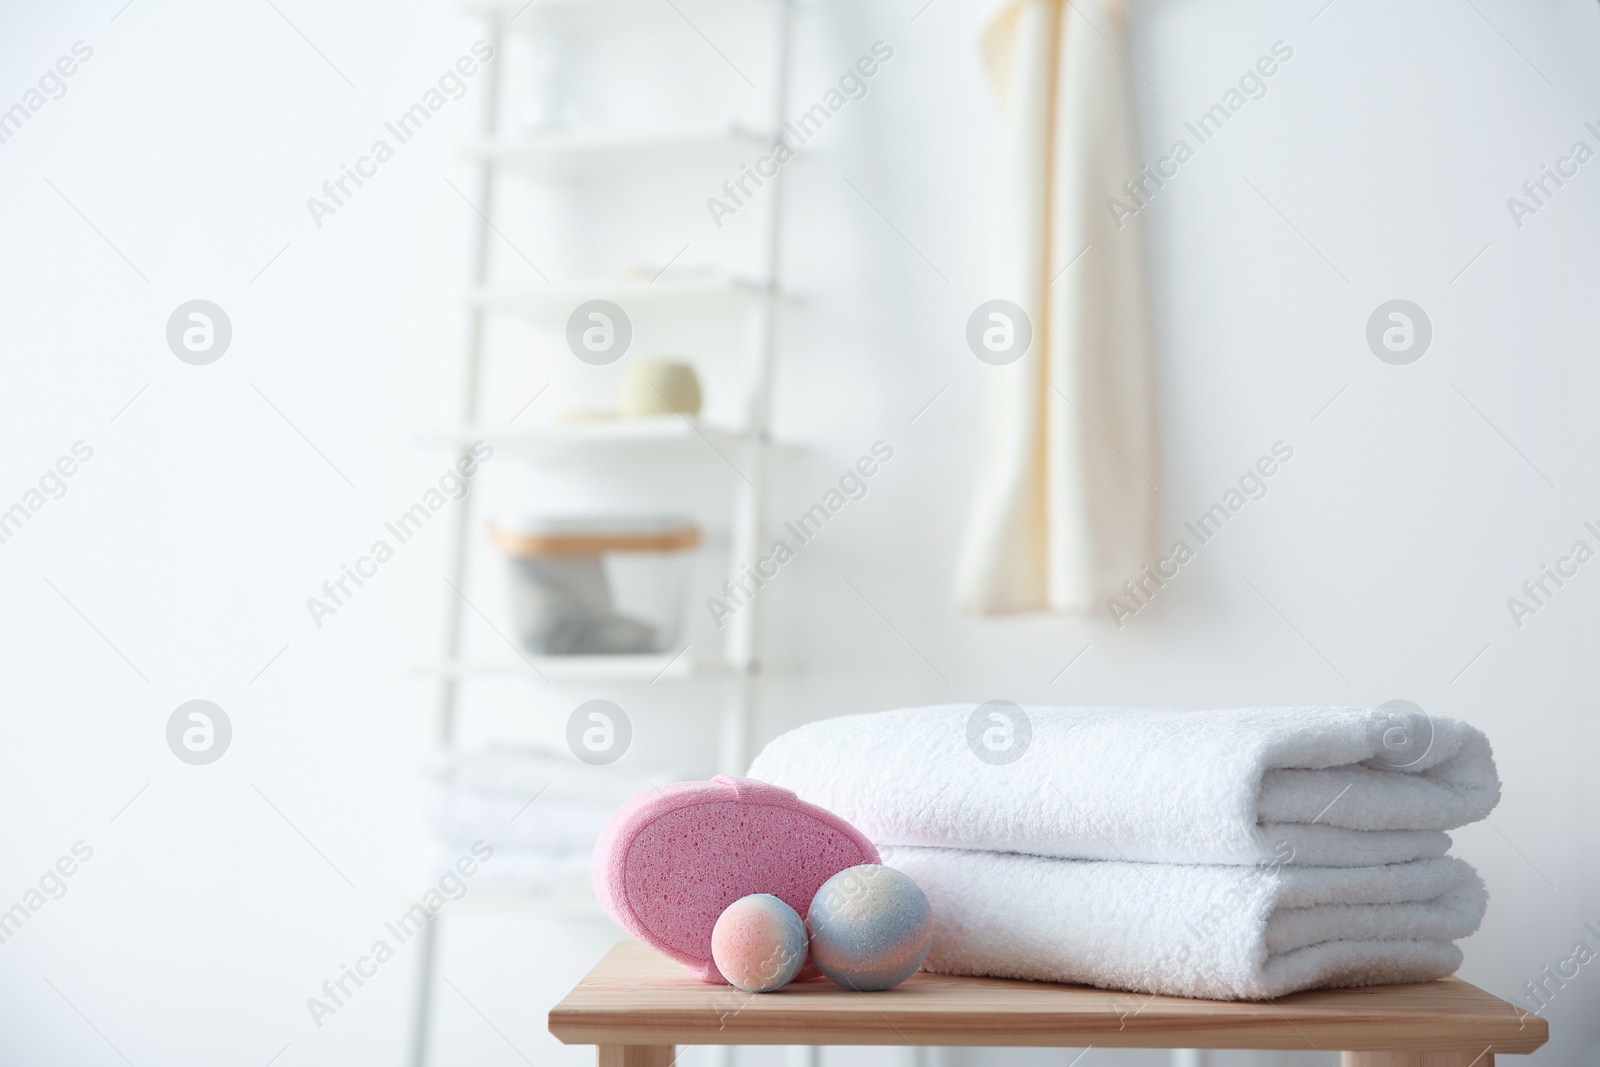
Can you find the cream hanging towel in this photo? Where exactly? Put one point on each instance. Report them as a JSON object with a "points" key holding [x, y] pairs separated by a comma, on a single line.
{"points": [[1065, 503]]}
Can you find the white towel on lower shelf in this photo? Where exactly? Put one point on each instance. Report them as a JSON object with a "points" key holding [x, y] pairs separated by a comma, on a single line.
{"points": [[537, 869], [542, 820], [1219, 932], [1336, 787], [524, 771]]}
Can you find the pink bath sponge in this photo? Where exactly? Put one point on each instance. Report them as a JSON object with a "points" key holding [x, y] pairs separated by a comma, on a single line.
{"points": [[671, 860]]}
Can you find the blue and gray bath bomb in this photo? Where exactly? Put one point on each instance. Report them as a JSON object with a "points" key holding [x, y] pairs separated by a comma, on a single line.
{"points": [[870, 927]]}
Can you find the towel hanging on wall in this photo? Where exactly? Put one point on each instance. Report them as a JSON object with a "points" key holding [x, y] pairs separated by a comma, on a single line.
{"points": [[1065, 502]]}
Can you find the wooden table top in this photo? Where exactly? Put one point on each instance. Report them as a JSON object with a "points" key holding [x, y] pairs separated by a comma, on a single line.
{"points": [[635, 996]]}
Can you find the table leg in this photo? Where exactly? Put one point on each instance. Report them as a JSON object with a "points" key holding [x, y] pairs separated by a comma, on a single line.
{"points": [[1417, 1059], [635, 1055]]}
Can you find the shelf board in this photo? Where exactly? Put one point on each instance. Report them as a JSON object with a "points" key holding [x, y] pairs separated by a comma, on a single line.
{"points": [[585, 668], [651, 433], [556, 303], [575, 153], [562, 904], [600, 668], [544, 15]]}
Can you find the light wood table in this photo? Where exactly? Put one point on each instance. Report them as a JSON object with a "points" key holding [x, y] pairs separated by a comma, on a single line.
{"points": [[636, 1006]]}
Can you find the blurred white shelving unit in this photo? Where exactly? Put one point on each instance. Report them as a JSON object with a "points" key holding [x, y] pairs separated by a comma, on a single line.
{"points": [[556, 669], [585, 668], [591, 15], [693, 295], [621, 154], [569, 904], [593, 435], [500, 153]]}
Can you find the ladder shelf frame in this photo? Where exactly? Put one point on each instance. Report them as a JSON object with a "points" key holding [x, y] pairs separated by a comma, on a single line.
{"points": [[763, 300]]}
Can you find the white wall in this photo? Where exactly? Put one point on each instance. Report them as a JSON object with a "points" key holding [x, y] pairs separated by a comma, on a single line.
{"points": [[177, 564]]}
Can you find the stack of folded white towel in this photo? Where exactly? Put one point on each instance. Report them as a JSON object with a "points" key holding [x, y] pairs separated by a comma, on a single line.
{"points": [[541, 811], [1223, 854]]}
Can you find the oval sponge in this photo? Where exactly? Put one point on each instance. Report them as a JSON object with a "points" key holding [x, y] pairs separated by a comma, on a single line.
{"points": [[671, 860]]}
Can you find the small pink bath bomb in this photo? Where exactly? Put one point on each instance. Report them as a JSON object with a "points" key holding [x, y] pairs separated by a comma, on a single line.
{"points": [[759, 943]]}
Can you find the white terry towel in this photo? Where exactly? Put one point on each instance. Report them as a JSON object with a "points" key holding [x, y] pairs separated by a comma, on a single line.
{"points": [[1223, 933], [1334, 787], [1064, 503]]}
